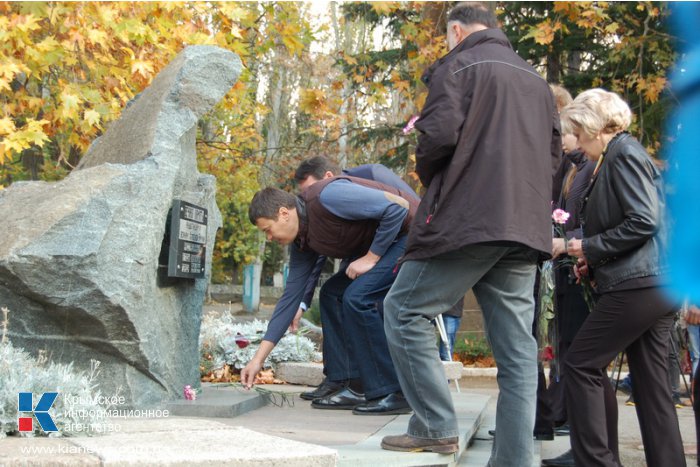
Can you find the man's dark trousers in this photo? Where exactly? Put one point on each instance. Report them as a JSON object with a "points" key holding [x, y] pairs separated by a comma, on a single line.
{"points": [[354, 343]]}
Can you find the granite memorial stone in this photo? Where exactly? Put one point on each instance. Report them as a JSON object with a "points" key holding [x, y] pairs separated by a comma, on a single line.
{"points": [[79, 258]]}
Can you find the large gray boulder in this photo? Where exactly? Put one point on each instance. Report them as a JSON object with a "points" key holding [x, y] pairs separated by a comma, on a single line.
{"points": [[79, 257]]}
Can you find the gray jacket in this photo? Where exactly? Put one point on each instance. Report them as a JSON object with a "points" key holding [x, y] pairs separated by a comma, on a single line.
{"points": [[622, 216]]}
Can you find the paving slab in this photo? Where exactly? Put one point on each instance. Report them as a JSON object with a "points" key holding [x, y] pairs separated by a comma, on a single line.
{"points": [[218, 401], [219, 445], [44, 452], [297, 420], [470, 410]]}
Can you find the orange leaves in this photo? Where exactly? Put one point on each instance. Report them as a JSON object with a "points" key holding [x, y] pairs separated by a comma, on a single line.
{"points": [[586, 15], [98, 37], [24, 23], [402, 85], [70, 104], [7, 126], [651, 87], [349, 59], [312, 101], [91, 117], [384, 8], [8, 70], [568, 9], [17, 140], [293, 44], [544, 32], [142, 67], [289, 34], [49, 44]]}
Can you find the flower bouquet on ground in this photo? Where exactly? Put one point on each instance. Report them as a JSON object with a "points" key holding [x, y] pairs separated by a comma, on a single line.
{"points": [[226, 346]]}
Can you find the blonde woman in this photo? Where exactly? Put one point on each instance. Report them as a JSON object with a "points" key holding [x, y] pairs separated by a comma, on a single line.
{"points": [[620, 251]]}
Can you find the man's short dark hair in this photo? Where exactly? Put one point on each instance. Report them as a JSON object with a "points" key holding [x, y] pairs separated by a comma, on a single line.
{"points": [[469, 13], [267, 203], [316, 166]]}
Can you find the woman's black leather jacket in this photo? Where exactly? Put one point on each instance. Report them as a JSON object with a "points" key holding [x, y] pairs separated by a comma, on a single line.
{"points": [[623, 216]]}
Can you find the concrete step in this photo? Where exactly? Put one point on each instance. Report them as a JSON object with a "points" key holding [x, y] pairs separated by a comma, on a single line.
{"points": [[311, 373], [218, 401], [479, 452], [470, 411]]}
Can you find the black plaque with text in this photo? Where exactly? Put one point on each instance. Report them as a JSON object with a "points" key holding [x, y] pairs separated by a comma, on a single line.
{"points": [[188, 240]]}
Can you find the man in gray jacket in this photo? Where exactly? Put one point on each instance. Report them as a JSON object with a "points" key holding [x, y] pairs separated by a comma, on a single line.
{"points": [[488, 145]]}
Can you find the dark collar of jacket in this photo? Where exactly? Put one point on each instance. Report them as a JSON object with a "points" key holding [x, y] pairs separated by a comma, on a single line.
{"points": [[622, 136], [491, 36], [577, 157]]}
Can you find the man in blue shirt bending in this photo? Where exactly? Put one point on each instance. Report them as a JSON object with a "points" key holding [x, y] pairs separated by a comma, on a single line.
{"points": [[341, 217], [339, 366]]}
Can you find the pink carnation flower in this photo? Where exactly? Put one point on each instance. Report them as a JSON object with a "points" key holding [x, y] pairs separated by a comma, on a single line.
{"points": [[189, 393], [560, 216], [410, 125]]}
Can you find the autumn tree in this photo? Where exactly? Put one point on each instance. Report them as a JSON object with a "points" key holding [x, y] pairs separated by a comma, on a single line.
{"points": [[382, 50], [67, 69], [341, 79], [621, 46]]}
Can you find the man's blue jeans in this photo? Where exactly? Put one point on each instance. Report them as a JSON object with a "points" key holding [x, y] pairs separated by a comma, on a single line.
{"points": [[502, 278], [451, 327], [354, 343], [694, 345]]}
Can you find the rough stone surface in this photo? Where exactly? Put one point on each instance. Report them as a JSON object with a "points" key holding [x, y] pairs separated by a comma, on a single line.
{"points": [[453, 370], [79, 257], [310, 374]]}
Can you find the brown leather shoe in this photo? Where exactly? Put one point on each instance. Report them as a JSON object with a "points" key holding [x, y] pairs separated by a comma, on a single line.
{"points": [[409, 443]]}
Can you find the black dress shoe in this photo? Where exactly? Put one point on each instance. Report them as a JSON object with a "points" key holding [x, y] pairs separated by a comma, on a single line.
{"points": [[562, 430], [564, 460], [344, 399], [326, 388], [391, 404]]}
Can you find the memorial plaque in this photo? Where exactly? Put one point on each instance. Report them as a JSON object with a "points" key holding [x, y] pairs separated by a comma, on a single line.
{"points": [[188, 240]]}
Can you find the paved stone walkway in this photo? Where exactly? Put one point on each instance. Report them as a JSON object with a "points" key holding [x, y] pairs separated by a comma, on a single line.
{"points": [[227, 426]]}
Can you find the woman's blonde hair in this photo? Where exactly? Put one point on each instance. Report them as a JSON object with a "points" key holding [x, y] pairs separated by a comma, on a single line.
{"points": [[594, 111], [562, 97]]}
